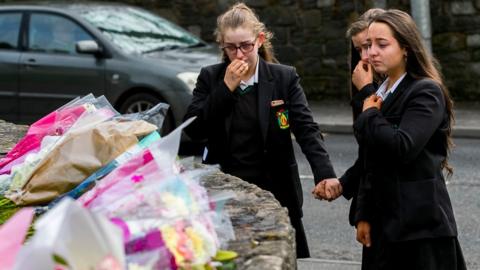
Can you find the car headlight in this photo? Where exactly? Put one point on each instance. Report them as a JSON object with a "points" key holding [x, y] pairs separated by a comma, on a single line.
{"points": [[189, 78]]}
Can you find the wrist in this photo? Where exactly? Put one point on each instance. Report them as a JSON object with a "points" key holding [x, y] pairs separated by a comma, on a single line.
{"points": [[230, 86], [362, 85]]}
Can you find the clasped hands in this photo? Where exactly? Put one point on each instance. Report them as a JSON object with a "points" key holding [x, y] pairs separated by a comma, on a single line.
{"points": [[328, 189]]}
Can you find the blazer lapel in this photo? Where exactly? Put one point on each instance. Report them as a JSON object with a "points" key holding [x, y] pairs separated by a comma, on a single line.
{"points": [[265, 92], [390, 100]]}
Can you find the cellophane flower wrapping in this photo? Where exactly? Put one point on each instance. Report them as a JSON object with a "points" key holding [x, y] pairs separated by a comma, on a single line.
{"points": [[84, 112], [13, 234], [55, 123], [163, 217], [94, 178], [81, 238], [155, 115], [159, 209]]}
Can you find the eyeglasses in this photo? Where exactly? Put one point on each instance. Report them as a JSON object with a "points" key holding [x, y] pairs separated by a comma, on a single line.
{"points": [[244, 47]]}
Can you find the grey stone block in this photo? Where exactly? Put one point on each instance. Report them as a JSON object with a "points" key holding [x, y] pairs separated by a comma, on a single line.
{"points": [[462, 8], [473, 40]]}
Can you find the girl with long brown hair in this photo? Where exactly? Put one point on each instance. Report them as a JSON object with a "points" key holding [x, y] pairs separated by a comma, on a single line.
{"points": [[404, 216]]}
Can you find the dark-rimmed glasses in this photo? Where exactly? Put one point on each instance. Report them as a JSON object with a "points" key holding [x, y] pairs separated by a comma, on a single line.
{"points": [[245, 47]]}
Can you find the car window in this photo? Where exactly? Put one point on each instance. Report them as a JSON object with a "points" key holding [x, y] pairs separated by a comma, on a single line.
{"points": [[135, 30], [10, 28], [57, 34]]}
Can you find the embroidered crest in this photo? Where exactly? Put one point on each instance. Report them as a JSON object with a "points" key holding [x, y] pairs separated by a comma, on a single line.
{"points": [[282, 119]]}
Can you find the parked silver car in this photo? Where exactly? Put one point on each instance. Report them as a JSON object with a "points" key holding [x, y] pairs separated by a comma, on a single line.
{"points": [[52, 54]]}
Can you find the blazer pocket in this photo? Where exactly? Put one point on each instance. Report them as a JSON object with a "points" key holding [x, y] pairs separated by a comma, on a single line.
{"points": [[419, 208]]}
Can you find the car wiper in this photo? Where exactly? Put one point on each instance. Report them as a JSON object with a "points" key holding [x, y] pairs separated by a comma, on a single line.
{"points": [[197, 45], [162, 48]]}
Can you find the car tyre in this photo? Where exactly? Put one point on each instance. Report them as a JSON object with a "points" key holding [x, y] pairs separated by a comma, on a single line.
{"points": [[145, 101]]}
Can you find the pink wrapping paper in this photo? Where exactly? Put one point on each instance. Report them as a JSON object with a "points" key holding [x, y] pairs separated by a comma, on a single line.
{"points": [[13, 234]]}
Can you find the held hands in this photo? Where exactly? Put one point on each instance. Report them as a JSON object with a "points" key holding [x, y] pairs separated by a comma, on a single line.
{"points": [[362, 74], [372, 101], [328, 189], [363, 233], [235, 70]]}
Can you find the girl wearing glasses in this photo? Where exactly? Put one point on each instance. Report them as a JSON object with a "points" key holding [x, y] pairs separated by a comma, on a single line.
{"points": [[246, 108], [404, 216]]}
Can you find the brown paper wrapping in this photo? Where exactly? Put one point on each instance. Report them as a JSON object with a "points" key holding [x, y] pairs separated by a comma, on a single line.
{"points": [[79, 155]]}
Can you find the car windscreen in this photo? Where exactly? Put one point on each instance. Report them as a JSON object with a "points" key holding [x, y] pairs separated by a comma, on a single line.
{"points": [[135, 30]]}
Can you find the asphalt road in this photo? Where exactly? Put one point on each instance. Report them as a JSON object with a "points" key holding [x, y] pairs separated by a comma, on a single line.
{"points": [[332, 239]]}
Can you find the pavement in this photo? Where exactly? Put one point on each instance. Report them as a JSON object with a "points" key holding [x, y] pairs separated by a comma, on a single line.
{"points": [[336, 117], [319, 264]]}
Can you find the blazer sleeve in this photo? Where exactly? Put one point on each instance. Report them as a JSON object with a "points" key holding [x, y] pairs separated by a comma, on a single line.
{"points": [[307, 132], [351, 178], [211, 101], [424, 111], [364, 203], [359, 97]]}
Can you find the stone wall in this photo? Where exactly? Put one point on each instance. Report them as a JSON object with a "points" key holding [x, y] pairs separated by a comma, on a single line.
{"points": [[264, 237], [309, 34]]}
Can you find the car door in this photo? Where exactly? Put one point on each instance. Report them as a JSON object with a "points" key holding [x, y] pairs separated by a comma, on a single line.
{"points": [[10, 23], [52, 72]]}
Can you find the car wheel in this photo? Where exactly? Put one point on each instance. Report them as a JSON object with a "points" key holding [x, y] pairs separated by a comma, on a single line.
{"points": [[144, 101]]}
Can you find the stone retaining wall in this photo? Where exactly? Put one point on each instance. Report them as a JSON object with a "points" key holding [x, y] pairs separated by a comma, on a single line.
{"points": [[310, 34], [265, 239]]}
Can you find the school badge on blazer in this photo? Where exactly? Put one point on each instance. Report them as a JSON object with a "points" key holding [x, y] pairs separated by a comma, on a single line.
{"points": [[282, 118]]}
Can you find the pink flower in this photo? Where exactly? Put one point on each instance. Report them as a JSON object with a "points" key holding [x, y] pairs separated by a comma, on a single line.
{"points": [[137, 178]]}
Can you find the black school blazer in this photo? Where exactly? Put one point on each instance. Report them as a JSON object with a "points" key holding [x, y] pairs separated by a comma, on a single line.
{"points": [[351, 178], [212, 104], [403, 189]]}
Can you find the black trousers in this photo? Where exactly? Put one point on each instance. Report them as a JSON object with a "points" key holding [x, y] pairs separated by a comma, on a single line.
{"points": [[300, 237]]}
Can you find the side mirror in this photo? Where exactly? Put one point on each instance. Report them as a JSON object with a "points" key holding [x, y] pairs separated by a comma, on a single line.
{"points": [[88, 46]]}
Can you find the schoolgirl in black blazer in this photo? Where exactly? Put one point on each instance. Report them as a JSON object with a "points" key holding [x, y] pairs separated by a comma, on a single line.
{"points": [[404, 216], [248, 128]]}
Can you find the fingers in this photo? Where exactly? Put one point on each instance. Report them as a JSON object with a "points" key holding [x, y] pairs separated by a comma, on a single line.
{"points": [[328, 189], [369, 69], [362, 74], [358, 67], [334, 188], [367, 239], [363, 233], [364, 238], [319, 191], [372, 101], [235, 70], [238, 67], [359, 236]]}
